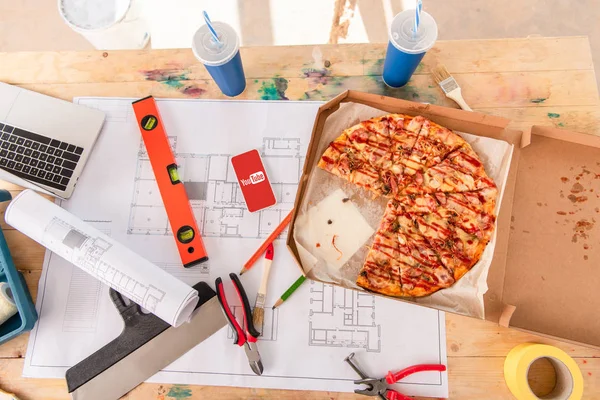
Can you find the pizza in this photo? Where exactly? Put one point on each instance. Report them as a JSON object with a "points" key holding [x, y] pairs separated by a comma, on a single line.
{"points": [[440, 213]]}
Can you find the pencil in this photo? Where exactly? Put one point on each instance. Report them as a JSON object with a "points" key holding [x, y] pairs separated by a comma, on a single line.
{"points": [[289, 292], [267, 242]]}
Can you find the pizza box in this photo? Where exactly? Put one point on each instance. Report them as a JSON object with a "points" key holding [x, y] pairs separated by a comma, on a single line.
{"points": [[543, 277]]}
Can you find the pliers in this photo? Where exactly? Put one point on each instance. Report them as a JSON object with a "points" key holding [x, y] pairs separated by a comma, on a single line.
{"points": [[378, 387], [249, 336]]}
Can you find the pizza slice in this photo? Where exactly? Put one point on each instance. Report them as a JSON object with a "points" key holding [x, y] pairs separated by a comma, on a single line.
{"points": [[458, 250], [343, 161], [457, 225], [461, 171], [362, 155], [434, 143], [381, 270], [404, 131], [371, 138], [401, 262]]}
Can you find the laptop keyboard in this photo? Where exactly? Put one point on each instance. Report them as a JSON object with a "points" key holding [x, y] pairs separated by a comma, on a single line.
{"points": [[37, 158]]}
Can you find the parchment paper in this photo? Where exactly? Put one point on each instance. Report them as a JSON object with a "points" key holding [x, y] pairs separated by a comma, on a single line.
{"points": [[464, 297]]}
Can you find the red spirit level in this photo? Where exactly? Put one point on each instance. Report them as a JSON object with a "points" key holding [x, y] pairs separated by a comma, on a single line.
{"points": [[183, 224]]}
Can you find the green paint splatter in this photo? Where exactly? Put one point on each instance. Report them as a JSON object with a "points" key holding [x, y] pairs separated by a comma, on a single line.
{"points": [[431, 86], [553, 115], [561, 124], [376, 68], [538, 100], [420, 68], [363, 61], [256, 81], [273, 89], [179, 392], [174, 83]]}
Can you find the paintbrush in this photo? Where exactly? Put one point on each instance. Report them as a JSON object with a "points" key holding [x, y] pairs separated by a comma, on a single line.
{"points": [[449, 86], [258, 315]]}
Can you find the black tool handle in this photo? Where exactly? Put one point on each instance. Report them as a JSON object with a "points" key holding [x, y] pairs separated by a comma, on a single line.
{"points": [[250, 330], [139, 329]]}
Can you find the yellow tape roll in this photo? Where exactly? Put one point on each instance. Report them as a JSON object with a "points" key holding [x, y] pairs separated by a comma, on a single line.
{"points": [[569, 381]]}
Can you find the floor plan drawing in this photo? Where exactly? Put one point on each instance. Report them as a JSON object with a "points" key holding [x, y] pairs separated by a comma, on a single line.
{"points": [[87, 251], [270, 323], [214, 192], [191, 276], [341, 317], [81, 311]]}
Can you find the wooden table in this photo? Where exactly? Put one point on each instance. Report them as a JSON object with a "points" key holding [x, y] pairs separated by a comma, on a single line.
{"points": [[545, 81]]}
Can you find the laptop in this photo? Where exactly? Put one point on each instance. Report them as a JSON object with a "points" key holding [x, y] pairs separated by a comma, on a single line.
{"points": [[44, 142]]}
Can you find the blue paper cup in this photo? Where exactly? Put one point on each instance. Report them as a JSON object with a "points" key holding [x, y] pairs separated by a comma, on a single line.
{"points": [[405, 48], [222, 61]]}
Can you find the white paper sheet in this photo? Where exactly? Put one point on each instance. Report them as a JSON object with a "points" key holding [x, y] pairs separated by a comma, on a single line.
{"points": [[102, 257], [306, 340]]}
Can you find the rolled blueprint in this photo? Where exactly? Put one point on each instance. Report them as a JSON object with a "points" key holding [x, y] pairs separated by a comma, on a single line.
{"points": [[102, 257]]}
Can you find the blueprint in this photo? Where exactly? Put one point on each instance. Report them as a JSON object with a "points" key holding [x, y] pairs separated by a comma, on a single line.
{"points": [[305, 340], [103, 258]]}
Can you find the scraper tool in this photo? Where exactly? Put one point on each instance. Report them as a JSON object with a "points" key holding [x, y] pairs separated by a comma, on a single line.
{"points": [[146, 345]]}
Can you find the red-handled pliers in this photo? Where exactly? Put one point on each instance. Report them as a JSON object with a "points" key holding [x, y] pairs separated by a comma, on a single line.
{"points": [[247, 337], [378, 387]]}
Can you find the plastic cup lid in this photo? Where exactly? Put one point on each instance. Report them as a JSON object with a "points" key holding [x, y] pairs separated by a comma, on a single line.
{"points": [[93, 14], [211, 53], [402, 35]]}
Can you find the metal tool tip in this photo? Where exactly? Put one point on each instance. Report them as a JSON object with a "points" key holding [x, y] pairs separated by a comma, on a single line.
{"points": [[350, 357], [257, 367]]}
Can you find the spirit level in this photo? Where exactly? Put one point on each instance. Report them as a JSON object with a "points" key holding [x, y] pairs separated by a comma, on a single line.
{"points": [[182, 221]]}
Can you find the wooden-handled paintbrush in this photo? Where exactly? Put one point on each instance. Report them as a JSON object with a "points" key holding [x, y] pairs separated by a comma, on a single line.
{"points": [[258, 315], [449, 86]]}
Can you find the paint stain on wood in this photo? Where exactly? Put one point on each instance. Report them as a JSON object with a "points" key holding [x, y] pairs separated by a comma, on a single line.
{"points": [[273, 89], [179, 392], [553, 115], [564, 179], [173, 77], [538, 100]]}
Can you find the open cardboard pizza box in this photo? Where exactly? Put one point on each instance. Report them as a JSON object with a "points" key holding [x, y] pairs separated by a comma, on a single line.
{"points": [[544, 276]]}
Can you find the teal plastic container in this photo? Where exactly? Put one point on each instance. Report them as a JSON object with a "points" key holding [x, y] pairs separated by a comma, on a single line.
{"points": [[26, 318]]}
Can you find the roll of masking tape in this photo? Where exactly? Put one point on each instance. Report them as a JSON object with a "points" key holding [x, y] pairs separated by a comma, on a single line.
{"points": [[7, 303], [569, 381]]}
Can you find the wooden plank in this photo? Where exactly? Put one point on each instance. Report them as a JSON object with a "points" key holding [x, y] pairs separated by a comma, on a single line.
{"points": [[514, 89], [465, 56], [585, 119], [26, 253], [469, 378], [470, 337]]}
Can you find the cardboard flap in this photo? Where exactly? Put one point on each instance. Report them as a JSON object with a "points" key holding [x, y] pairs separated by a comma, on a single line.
{"points": [[451, 118], [552, 274]]}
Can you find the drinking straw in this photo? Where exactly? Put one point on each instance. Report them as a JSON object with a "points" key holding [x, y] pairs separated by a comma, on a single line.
{"points": [[211, 29]]}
